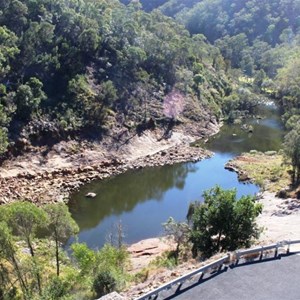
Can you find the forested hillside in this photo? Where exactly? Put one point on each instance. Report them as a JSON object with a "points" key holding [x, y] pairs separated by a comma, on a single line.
{"points": [[72, 67], [85, 68], [259, 38], [169, 7]]}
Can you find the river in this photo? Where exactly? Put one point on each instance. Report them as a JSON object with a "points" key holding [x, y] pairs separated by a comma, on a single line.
{"points": [[142, 200]]}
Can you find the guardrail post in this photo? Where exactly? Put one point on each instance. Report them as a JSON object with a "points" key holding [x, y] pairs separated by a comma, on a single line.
{"points": [[237, 259], [288, 247], [200, 277], [276, 251], [220, 268], [179, 287], [261, 253]]}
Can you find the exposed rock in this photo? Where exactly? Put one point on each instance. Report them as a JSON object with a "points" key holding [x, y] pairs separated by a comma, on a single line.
{"points": [[112, 296], [146, 250], [91, 195], [41, 179], [242, 176]]}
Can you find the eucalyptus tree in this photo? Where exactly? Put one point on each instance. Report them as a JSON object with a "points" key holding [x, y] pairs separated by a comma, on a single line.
{"points": [[61, 226], [8, 253], [26, 219], [178, 232], [292, 152]]}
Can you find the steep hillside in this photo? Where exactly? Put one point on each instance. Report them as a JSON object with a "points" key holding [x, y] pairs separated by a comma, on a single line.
{"points": [[245, 31], [98, 68]]}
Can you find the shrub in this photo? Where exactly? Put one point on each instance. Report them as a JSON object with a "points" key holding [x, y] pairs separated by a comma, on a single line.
{"points": [[104, 283], [56, 289], [223, 222]]}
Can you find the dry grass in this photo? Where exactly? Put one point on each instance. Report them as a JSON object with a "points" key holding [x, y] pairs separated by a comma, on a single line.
{"points": [[268, 170]]}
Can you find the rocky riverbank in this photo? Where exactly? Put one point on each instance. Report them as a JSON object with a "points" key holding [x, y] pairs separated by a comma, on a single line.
{"points": [[233, 166], [68, 166]]}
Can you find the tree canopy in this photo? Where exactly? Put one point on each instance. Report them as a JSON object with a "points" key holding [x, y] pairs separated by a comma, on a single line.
{"points": [[222, 222], [71, 67]]}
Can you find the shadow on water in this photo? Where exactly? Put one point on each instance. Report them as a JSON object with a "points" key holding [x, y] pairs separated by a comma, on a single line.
{"points": [[144, 199]]}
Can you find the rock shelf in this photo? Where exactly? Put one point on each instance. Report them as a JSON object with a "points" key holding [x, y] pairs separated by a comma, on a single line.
{"points": [[56, 185]]}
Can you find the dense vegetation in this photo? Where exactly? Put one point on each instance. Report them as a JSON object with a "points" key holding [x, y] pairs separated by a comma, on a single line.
{"points": [[78, 67], [258, 39], [32, 267], [92, 68], [168, 7]]}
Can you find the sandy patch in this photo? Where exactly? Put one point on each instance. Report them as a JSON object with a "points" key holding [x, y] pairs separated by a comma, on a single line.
{"points": [[150, 143], [280, 219]]}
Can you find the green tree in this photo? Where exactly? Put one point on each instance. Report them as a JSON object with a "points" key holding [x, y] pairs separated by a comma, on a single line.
{"points": [[288, 80], [233, 48], [104, 283], [14, 14], [8, 50], [259, 79], [89, 40], [3, 139], [84, 257], [25, 219], [106, 266], [61, 227], [91, 100], [29, 97], [222, 222], [292, 152]]}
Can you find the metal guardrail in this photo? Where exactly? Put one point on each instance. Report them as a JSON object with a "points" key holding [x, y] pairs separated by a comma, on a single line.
{"points": [[257, 250], [219, 263], [289, 243], [215, 264], [261, 249]]}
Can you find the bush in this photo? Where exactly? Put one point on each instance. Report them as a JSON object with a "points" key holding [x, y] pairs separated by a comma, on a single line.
{"points": [[104, 283], [56, 289], [141, 276], [223, 222], [166, 260]]}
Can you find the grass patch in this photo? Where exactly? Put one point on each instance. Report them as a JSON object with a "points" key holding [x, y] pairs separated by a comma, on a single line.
{"points": [[166, 260], [268, 170]]}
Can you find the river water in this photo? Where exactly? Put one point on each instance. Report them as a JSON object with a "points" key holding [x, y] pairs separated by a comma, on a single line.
{"points": [[142, 200]]}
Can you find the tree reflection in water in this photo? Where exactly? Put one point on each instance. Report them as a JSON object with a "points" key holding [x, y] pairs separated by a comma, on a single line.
{"points": [[123, 192]]}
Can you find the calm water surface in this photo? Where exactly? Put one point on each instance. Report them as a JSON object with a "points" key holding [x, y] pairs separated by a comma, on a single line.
{"points": [[142, 200]]}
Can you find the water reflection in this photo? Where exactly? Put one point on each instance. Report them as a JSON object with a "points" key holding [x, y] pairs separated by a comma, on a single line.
{"points": [[267, 135], [144, 199], [120, 195]]}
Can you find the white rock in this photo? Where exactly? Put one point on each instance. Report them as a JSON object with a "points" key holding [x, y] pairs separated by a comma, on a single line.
{"points": [[91, 195]]}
